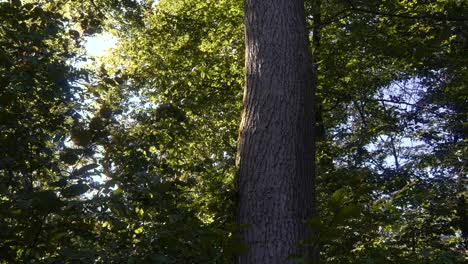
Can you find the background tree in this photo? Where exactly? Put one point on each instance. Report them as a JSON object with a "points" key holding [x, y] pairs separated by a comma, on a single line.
{"points": [[46, 143], [371, 158], [175, 88], [41, 178]]}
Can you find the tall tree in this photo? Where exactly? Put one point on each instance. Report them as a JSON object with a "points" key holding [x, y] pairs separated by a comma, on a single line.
{"points": [[276, 146]]}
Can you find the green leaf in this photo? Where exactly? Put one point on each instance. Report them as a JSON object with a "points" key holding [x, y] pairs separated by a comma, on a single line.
{"points": [[337, 197], [85, 169], [348, 212], [75, 190], [81, 137], [46, 201], [69, 156], [316, 224], [74, 254]]}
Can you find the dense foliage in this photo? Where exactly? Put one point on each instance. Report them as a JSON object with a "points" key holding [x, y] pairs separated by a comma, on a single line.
{"points": [[41, 178], [131, 158]]}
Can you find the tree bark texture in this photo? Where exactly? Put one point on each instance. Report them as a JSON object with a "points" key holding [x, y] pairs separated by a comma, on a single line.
{"points": [[276, 143]]}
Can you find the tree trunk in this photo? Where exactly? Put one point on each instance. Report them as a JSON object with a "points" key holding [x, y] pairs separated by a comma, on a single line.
{"points": [[276, 144]]}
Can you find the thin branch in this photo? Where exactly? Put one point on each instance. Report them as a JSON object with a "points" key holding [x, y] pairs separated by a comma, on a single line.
{"points": [[406, 16], [394, 102], [37, 235], [333, 18], [99, 9], [351, 3]]}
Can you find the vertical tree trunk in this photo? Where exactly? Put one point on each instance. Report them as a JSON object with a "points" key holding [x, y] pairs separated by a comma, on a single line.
{"points": [[276, 144]]}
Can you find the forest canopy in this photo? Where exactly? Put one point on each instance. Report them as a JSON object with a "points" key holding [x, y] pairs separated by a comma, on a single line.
{"points": [[131, 157]]}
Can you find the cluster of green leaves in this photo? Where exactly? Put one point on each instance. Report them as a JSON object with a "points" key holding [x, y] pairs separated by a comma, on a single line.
{"points": [[46, 145], [133, 160], [392, 116], [173, 90], [41, 179]]}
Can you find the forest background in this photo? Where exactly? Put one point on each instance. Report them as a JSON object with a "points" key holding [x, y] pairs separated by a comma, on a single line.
{"points": [[131, 158]]}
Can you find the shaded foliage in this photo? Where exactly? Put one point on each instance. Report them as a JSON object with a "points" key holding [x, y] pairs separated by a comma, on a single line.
{"points": [[132, 159], [41, 178]]}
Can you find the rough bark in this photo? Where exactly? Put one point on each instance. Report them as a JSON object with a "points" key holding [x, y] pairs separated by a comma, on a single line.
{"points": [[276, 142]]}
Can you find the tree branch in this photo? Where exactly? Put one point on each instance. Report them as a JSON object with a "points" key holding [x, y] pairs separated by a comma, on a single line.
{"points": [[406, 16]]}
